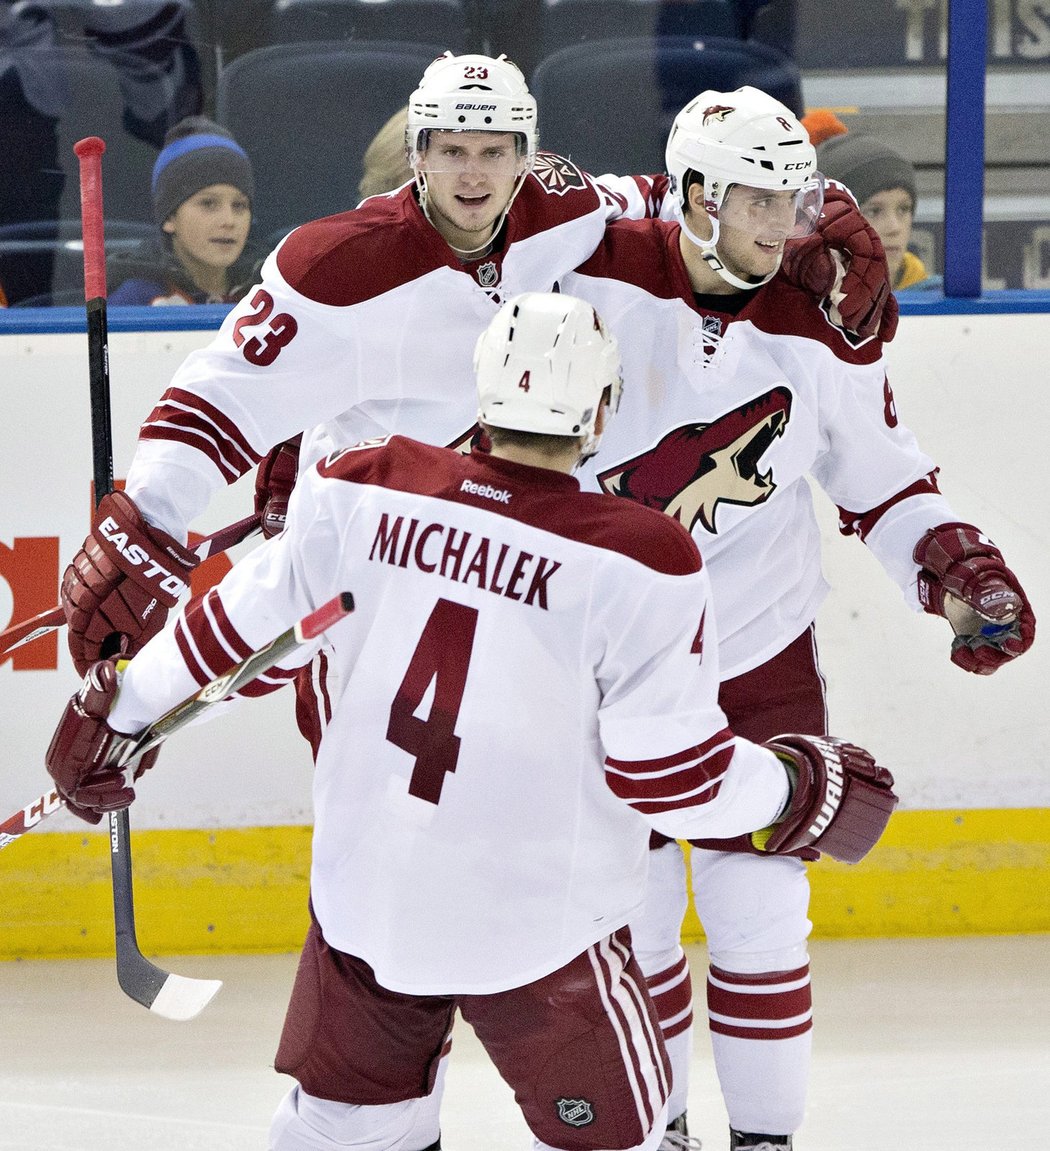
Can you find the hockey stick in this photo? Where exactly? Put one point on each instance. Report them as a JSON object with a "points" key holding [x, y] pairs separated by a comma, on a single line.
{"points": [[19, 634], [254, 665], [15, 826], [138, 978], [164, 993]]}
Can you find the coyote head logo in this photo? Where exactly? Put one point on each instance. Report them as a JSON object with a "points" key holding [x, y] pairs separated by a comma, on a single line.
{"points": [[717, 112], [696, 468]]}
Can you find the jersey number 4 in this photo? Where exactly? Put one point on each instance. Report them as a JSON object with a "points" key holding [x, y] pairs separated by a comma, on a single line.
{"points": [[442, 656]]}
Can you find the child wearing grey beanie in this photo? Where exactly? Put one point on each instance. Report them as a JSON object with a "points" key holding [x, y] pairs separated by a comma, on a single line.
{"points": [[202, 188], [883, 182]]}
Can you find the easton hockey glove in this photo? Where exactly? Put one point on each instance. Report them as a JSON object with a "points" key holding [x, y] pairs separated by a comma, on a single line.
{"points": [[117, 591], [845, 260], [840, 803], [964, 578], [84, 750]]}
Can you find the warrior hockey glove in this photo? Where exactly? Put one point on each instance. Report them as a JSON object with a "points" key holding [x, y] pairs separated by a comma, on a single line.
{"points": [[117, 591], [846, 247], [273, 485], [84, 750], [840, 802], [963, 577]]}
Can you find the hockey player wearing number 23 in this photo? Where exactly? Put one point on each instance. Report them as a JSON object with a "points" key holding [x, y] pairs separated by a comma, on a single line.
{"points": [[744, 385], [465, 856]]}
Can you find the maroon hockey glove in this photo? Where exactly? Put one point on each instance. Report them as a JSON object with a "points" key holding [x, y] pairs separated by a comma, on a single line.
{"points": [[841, 801], [117, 591], [867, 307], [273, 485], [965, 579], [84, 749]]}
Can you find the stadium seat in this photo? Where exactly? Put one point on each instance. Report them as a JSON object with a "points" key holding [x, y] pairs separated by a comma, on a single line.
{"points": [[47, 256], [422, 21], [585, 112], [567, 22], [305, 114], [92, 95], [147, 43]]}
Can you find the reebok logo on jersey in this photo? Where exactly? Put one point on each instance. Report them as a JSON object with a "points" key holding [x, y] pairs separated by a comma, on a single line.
{"points": [[137, 556], [486, 491]]}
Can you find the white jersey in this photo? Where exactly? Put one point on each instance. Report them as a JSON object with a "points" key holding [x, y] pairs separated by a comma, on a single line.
{"points": [[722, 418], [528, 685], [364, 324]]}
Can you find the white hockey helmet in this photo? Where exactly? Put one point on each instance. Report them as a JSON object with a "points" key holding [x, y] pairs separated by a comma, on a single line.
{"points": [[543, 364], [741, 137], [471, 93]]}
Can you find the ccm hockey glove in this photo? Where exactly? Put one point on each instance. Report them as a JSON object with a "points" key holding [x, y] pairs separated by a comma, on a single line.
{"points": [[274, 481], [840, 802], [84, 750], [117, 591], [845, 260], [963, 577]]}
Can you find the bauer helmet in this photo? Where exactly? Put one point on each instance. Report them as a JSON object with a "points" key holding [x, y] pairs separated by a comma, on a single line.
{"points": [[471, 94], [543, 364]]}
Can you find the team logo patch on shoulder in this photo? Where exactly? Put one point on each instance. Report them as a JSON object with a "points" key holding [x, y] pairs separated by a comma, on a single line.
{"points": [[575, 1112], [558, 175]]}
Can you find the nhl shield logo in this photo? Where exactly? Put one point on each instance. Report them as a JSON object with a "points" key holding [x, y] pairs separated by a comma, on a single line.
{"points": [[575, 1112], [487, 274]]}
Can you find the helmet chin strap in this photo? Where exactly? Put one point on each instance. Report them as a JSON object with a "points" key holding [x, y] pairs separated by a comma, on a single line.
{"points": [[709, 252], [481, 249]]}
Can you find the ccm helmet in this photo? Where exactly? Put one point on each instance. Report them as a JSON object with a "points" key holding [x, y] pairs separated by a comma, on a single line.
{"points": [[471, 94], [742, 138], [543, 364]]}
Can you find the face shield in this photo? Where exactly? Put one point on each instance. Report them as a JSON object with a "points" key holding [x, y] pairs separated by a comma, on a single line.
{"points": [[469, 160], [494, 155], [773, 215], [766, 214]]}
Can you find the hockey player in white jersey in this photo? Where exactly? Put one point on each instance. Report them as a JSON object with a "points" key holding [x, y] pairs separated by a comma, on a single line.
{"points": [[464, 855], [750, 386], [364, 324]]}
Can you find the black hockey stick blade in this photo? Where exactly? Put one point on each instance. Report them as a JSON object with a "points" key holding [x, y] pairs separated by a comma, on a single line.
{"points": [[166, 994], [176, 996]]}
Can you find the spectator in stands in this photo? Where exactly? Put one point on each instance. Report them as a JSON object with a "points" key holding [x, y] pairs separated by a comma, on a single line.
{"points": [[202, 202], [386, 161], [883, 182]]}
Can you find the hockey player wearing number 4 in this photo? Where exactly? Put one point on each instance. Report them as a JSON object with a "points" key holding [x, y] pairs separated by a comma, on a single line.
{"points": [[750, 386], [364, 324], [582, 606]]}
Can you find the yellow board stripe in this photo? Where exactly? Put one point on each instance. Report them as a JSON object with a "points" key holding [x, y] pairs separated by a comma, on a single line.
{"points": [[245, 890]]}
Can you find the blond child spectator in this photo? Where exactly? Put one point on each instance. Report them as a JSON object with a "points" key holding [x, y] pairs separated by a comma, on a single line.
{"points": [[386, 161]]}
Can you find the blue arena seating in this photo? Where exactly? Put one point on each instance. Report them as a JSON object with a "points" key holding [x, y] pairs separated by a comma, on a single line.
{"points": [[582, 115], [305, 113], [421, 21]]}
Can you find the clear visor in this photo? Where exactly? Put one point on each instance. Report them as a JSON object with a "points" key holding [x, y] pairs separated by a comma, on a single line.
{"points": [[491, 154], [773, 215]]}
